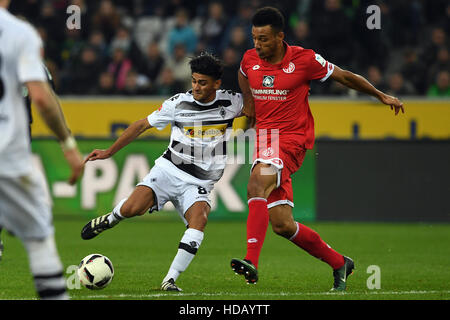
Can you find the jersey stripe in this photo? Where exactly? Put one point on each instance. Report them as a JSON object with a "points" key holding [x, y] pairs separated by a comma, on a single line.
{"points": [[191, 168], [190, 150], [194, 106]]}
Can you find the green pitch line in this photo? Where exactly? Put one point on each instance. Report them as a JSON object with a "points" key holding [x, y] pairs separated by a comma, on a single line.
{"points": [[412, 260]]}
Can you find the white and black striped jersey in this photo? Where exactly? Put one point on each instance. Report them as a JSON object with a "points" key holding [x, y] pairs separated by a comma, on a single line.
{"points": [[199, 132], [20, 62]]}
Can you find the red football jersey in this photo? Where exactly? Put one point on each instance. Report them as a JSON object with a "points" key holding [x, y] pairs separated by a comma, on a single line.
{"points": [[280, 91]]}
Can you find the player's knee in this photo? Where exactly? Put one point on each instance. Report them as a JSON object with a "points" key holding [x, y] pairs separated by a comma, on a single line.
{"points": [[130, 209], [262, 181], [198, 218], [202, 220], [283, 228], [255, 187]]}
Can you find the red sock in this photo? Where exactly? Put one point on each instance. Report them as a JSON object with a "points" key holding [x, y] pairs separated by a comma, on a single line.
{"points": [[310, 241], [257, 223]]}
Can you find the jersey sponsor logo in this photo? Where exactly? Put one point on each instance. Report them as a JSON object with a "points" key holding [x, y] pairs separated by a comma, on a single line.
{"points": [[321, 60], [278, 92], [208, 131], [268, 81], [290, 68], [256, 67]]}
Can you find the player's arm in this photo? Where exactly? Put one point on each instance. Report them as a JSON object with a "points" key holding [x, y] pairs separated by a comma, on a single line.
{"points": [[48, 106], [359, 83], [249, 104], [130, 133]]}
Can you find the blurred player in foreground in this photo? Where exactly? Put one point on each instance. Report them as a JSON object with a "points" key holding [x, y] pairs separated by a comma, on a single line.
{"points": [[185, 174], [24, 209], [276, 77], [30, 121]]}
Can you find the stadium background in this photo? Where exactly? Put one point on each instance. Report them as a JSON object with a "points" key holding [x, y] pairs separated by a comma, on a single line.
{"points": [[367, 165]]}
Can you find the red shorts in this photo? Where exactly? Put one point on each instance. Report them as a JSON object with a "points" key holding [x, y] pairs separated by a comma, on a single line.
{"points": [[287, 156]]}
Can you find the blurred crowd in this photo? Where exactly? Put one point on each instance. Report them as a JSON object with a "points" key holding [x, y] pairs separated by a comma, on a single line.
{"points": [[142, 47]]}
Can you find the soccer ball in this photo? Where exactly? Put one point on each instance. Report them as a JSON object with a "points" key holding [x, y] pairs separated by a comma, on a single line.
{"points": [[95, 271]]}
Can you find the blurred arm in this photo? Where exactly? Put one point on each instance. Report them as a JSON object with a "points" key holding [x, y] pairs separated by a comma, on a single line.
{"points": [[359, 83], [249, 104], [48, 106]]}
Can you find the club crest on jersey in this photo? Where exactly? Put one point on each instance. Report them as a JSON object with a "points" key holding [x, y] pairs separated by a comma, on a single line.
{"points": [[268, 152], [268, 81], [290, 68]]}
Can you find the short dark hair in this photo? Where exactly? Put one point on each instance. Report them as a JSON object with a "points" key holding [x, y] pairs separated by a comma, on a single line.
{"points": [[269, 16], [207, 64]]}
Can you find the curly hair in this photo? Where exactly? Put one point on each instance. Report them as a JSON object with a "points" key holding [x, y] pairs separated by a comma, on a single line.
{"points": [[207, 64]]}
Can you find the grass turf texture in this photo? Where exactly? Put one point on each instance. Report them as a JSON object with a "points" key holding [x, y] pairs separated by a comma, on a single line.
{"points": [[414, 260]]}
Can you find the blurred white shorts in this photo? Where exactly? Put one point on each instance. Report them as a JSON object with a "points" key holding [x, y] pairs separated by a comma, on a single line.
{"points": [[24, 207]]}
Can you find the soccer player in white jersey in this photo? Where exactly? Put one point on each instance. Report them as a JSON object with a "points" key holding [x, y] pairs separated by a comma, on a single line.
{"points": [[24, 210], [185, 174]]}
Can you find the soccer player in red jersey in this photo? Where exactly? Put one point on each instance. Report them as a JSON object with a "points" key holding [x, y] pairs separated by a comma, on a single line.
{"points": [[275, 79]]}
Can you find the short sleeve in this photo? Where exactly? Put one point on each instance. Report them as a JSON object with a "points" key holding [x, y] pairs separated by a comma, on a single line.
{"points": [[163, 116], [244, 65], [30, 65], [319, 68], [239, 102]]}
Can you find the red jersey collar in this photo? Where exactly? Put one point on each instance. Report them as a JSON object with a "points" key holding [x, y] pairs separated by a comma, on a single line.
{"points": [[286, 59]]}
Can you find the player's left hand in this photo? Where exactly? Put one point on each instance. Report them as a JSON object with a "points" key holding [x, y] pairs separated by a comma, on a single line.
{"points": [[75, 161], [394, 102]]}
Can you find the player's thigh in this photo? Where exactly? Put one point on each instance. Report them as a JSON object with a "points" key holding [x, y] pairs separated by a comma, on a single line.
{"points": [[139, 202], [155, 189], [282, 220], [263, 179], [24, 209]]}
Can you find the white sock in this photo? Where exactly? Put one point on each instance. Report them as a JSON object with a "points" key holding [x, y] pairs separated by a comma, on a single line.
{"points": [[46, 268], [189, 244], [115, 217]]}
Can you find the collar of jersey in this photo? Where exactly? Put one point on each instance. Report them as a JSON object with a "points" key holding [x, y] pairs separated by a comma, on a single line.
{"points": [[204, 104], [284, 63]]}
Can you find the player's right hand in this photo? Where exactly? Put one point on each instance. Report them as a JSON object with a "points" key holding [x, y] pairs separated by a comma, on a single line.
{"points": [[97, 154], [76, 163], [394, 103]]}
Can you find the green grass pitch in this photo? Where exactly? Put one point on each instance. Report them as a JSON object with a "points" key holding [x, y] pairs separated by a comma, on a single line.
{"points": [[413, 260]]}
